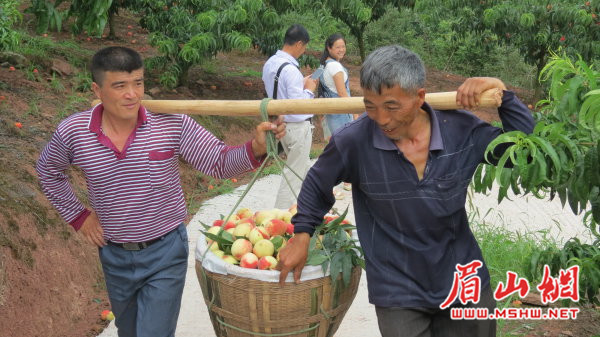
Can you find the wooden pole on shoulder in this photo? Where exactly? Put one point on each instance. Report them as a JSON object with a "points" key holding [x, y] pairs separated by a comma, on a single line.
{"points": [[318, 106]]}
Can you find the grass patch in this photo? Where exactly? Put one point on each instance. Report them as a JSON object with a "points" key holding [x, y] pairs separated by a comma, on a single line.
{"points": [[272, 168], [244, 73], [505, 251], [315, 152]]}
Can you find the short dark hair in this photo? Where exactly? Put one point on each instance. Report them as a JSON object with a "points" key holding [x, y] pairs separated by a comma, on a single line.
{"points": [[114, 59], [329, 43], [296, 33]]}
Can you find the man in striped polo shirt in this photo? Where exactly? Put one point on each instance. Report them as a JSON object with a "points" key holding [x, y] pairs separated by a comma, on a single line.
{"points": [[130, 160]]}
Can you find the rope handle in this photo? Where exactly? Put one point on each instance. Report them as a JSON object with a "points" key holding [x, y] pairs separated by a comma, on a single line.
{"points": [[271, 154]]}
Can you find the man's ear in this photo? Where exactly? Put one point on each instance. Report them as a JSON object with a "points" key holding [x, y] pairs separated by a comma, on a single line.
{"points": [[421, 96], [96, 89]]}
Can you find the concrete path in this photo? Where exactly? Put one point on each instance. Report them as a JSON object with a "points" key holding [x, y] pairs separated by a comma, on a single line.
{"points": [[522, 214]]}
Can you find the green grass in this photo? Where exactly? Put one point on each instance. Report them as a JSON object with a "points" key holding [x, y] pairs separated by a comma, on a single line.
{"points": [[244, 73], [505, 251]]}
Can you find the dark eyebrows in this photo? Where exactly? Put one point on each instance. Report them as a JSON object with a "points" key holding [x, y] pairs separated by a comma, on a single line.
{"points": [[117, 83]]}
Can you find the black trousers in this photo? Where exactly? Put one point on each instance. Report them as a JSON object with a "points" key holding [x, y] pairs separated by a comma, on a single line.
{"points": [[434, 322]]}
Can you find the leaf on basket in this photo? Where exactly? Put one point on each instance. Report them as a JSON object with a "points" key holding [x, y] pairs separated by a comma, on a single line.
{"points": [[316, 257], [206, 227], [336, 265], [224, 238], [346, 269]]}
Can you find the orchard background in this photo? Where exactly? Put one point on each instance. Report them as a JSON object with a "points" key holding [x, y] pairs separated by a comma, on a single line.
{"points": [[50, 280]]}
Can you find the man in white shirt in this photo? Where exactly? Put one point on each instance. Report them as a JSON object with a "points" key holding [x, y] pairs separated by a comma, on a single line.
{"points": [[283, 80]]}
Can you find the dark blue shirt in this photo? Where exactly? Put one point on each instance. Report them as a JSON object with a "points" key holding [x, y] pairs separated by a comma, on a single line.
{"points": [[413, 232]]}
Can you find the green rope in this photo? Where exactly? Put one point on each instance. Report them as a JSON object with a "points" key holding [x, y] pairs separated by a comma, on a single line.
{"points": [[271, 143], [267, 334]]}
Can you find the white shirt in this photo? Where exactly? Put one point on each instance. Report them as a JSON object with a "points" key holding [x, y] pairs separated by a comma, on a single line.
{"points": [[291, 82], [332, 68]]}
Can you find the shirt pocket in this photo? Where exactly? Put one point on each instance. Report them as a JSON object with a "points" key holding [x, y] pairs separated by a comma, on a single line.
{"points": [[162, 168], [447, 194]]}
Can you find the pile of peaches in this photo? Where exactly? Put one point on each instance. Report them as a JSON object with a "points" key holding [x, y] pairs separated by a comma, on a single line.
{"points": [[252, 239]]}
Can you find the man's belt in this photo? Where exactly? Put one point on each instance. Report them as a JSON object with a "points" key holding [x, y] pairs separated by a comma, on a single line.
{"points": [[139, 245]]}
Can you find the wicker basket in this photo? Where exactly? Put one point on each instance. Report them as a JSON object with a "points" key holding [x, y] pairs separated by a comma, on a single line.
{"points": [[243, 307]]}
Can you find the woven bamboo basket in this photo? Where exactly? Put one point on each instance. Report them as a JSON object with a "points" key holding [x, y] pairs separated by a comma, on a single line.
{"points": [[243, 307]]}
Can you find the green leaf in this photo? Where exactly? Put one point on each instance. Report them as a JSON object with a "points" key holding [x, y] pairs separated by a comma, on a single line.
{"points": [[316, 257]]}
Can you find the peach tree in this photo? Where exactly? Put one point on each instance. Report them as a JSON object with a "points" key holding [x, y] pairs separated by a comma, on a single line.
{"points": [[9, 15], [89, 16], [188, 32], [561, 158], [356, 14]]}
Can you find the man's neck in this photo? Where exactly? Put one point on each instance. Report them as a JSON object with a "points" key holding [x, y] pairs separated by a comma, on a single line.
{"points": [[290, 50], [419, 129], [117, 126]]}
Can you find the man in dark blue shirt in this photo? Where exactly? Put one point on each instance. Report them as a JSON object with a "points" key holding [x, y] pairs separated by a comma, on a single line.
{"points": [[410, 166]]}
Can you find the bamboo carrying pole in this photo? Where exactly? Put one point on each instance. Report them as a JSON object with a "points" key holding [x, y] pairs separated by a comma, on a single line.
{"points": [[318, 106]]}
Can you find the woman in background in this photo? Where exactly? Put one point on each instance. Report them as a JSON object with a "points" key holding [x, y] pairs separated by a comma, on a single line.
{"points": [[334, 82]]}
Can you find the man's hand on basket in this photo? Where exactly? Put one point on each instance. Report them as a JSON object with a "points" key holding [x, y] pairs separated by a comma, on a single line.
{"points": [[259, 143], [293, 257], [92, 230]]}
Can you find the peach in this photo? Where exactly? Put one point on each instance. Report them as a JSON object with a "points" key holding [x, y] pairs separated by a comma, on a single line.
{"points": [[267, 262], [247, 220], [276, 227], [293, 209], [249, 260], [233, 218], [213, 246], [219, 253], [261, 217], [263, 247], [286, 216], [212, 230], [229, 224], [240, 247], [242, 229], [257, 234], [229, 259], [290, 229], [218, 223], [243, 213], [230, 231]]}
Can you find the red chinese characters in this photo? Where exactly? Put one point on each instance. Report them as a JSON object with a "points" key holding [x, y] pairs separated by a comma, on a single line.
{"points": [[466, 282]]}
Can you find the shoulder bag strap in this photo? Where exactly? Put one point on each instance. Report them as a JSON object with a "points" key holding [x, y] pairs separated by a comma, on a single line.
{"points": [[276, 83]]}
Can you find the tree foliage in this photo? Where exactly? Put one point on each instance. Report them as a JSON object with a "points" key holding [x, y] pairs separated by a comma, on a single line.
{"points": [[560, 158], [356, 14], [562, 155], [187, 32], [536, 26], [88, 16], [9, 15]]}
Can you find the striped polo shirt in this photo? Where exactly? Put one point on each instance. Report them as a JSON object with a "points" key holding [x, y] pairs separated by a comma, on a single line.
{"points": [[136, 192]]}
